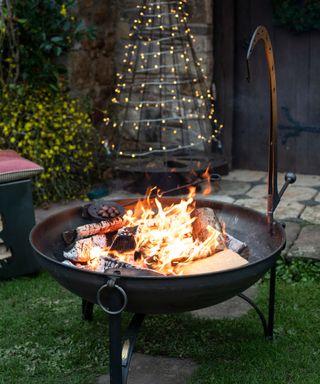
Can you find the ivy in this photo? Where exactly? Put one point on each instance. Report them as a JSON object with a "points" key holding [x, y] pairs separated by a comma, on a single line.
{"points": [[34, 34], [297, 15], [298, 270]]}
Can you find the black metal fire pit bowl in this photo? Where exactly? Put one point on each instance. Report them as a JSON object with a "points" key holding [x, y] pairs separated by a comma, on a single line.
{"points": [[145, 295], [164, 294], [121, 291]]}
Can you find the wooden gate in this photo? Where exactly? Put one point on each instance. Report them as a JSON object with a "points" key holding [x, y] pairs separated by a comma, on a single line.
{"points": [[244, 107]]}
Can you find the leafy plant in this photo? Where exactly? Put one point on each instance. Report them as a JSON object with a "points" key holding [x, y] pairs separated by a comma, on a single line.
{"points": [[33, 35], [53, 130], [298, 270], [297, 15]]}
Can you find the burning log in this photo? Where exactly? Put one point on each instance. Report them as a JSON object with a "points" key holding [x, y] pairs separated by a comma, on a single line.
{"points": [[125, 239], [226, 259], [205, 217], [92, 229], [81, 250], [134, 272], [237, 246], [115, 264]]}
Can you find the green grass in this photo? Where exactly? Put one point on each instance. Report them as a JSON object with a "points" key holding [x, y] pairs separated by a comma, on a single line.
{"points": [[43, 339]]}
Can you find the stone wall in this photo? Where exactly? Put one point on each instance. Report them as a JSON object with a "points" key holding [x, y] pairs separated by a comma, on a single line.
{"points": [[91, 64]]}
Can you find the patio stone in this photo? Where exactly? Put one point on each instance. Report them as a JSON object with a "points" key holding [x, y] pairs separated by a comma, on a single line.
{"points": [[307, 245], [226, 187], [285, 210], [302, 180], [245, 175], [42, 213], [308, 180], [292, 232], [293, 193], [157, 370], [288, 210], [312, 214], [259, 205], [121, 194], [223, 198], [229, 309]]}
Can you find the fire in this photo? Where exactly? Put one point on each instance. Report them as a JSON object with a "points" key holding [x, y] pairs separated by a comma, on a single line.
{"points": [[206, 175], [164, 239]]}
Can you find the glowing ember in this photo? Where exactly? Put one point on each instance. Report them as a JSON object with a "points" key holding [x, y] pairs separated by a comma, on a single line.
{"points": [[164, 239]]}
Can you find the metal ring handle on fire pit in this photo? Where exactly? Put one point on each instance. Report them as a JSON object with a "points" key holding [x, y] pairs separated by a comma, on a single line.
{"points": [[111, 284]]}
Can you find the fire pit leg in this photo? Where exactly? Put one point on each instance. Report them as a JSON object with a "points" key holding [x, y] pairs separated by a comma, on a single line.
{"points": [[128, 343], [87, 310], [267, 325], [115, 348], [272, 294], [121, 353]]}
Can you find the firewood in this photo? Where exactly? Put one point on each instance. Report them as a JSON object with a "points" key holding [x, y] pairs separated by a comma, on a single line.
{"points": [[124, 240], [134, 272], [203, 218], [237, 246], [111, 262], [91, 229], [81, 250], [226, 259]]}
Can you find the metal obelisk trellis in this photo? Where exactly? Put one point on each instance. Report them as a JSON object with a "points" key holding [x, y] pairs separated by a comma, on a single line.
{"points": [[162, 114]]}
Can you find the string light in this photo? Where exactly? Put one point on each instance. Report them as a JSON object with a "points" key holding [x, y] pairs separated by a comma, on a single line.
{"points": [[161, 43]]}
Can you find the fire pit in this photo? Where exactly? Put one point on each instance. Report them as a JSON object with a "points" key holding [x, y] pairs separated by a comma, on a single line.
{"points": [[120, 289]]}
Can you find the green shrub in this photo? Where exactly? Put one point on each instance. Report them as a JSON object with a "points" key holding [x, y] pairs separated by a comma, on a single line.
{"points": [[297, 15], [53, 130], [33, 34], [297, 270]]}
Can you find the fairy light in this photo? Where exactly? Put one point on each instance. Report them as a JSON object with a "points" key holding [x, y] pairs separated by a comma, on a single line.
{"points": [[157, 25]]}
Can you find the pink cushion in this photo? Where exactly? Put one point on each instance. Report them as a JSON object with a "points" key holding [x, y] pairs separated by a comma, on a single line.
{"points": [[14, 167]]}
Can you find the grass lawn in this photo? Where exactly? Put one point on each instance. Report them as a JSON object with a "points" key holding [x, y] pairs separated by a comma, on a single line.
{"points": [[43, 339]]}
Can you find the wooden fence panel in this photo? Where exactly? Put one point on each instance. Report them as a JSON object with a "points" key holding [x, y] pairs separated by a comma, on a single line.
{"points": [[297, 58]]}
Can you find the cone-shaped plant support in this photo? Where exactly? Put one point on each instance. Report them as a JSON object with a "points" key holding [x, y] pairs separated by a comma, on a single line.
{"points": [[162, 116]]}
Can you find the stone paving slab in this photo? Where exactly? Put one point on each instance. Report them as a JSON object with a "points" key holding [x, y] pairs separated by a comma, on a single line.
{"points": [[229, 309], [292, 232], [302, 180], [307, 245], [285, 210], [246, 176], [226, 187], [223, 198], [288, 210], [293, 193], [259, 205], [42, 213], [311, 214], [157, 370]]}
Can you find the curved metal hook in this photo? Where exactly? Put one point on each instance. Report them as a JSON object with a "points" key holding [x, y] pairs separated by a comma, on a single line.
{"points": [[274, 196], [261, 33]]}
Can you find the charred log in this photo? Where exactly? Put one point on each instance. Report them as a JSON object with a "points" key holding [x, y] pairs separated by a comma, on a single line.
{"points": [[80, 251], [124, 240], [92, 229]]}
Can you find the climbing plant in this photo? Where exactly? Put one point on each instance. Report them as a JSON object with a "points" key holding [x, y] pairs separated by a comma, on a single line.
{"points": [[297, 15], [34, 34]]}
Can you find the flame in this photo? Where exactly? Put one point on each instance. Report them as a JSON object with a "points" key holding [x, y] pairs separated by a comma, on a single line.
{"points": [[164, 239], [206, 175]]}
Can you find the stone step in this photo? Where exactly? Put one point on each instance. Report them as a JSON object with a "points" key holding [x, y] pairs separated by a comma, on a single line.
{"points": [[229, 309], [307, 245], [146, 369]]}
